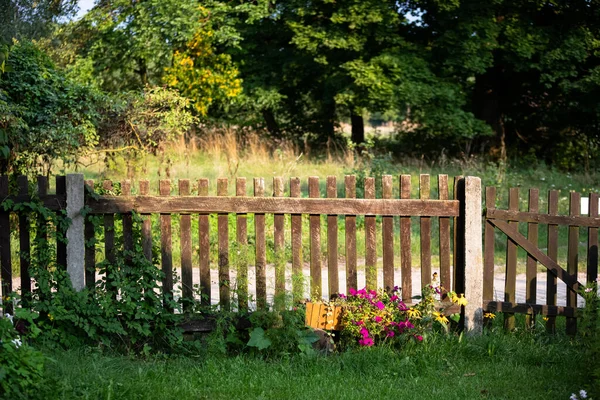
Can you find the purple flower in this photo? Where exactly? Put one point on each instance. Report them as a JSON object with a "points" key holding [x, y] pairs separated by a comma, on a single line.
{"points": [[358, 323], [394, 298], [352, 292], [380, 305], [378, 318], [390, 334], [368, 342], [402, 306], [342, 296], [364, 332]]}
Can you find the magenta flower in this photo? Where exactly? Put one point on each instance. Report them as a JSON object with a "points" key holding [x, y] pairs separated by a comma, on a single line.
{"points": [[402, 306], [368, 342], [364, 332], [358, 323], [419, 338], [352, 292], [394, 298], [380, 305], [390, 334], [378, 318]]}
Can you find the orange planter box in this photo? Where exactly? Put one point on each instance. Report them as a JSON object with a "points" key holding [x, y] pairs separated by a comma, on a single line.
{"points": [[324, 316]]}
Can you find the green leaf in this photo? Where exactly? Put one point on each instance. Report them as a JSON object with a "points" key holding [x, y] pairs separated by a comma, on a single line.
{"points": [[258, 339]]}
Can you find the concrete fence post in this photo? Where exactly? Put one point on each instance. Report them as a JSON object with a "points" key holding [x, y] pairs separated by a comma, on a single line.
{"points": [[473, 255], [75, 232]]}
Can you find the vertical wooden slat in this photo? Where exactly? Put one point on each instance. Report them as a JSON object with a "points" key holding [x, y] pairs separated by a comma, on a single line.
{"points": [[315, 242], [444, 222], [551, 280], [166, 249], [127, 223], [204, 248], [185, 232], [511, 261], [458, 281], [425, 222], [388, 237], [573, 258], [261, 252], [531, 266], [350, 223], [61, 245], [592, 252], [278, 236], [241, 232], [42, 227], [297, 277], [332, 241], [5, 259], [405, 250], [146, 224], [489, 247], [109, 230], [223, 233], [24, 242], [90, 246], [370, 239]]}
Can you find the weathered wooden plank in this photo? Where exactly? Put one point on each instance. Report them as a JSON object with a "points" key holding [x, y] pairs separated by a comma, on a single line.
{"points": [[261, 253], [278, 236], [524, 216], [529, 309], [53, 202], [458, 281], [61, 244], [241, 232], [350, 239], [90, 245], [24, 242], [592, 252], [387, 237], [204, 248], [351, 207], [551, 280], [297, 277], [511, 260], [166, 249], [185, 242], [425, 222], [42, 226], [370, 239], [315, 242], [573, 258], [489, 246], [5, 256], [405, 245], [531, 266], [223, 234], [144, 187], [127, 224], [535, 252], [445, 271], [109, 231], [332, 241]]}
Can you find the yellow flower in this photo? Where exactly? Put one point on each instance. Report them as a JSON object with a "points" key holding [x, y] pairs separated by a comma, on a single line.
{"points": [[489, 315], [546, 318], [51, 317], [440, 317], [413, 313], [461, 301]]}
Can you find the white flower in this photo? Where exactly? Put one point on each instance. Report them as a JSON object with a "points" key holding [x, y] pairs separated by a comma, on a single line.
{"points": [[10, 318], [17, 342], [583, 394], [573, 396]]}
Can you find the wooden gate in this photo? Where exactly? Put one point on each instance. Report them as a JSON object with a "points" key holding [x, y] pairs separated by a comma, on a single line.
{"points": [[507, 221]]}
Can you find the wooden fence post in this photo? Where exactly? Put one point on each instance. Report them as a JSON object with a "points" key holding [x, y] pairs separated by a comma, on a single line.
{"points": [[473, 254], [75, 232]]}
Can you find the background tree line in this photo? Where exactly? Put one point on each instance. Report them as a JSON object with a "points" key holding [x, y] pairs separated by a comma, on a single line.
{"points": [[501, 78]]}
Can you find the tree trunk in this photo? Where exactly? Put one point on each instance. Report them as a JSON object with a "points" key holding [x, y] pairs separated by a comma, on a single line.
{"points": [[271, 123], [487, 106], [358, 128]]}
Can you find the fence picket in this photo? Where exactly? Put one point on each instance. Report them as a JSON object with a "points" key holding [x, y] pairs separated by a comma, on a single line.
{"points": [[241, 232], [166, 249], [405, 245], [279, 241], [5, 258], [185, 241], [531, 266], [370, 239], [90, 245], [42, 223], [315, 242], [592, 259], [444, 223], [297, 277], [24, 242], [204, 248], [61, 245], [127, 223], [350, 222], [511, 261], [332, 241], [261, 252], [551, 280], [425, 222], [489, 243], [223, 233], [388, 237], [573, 258], [144, 187]]}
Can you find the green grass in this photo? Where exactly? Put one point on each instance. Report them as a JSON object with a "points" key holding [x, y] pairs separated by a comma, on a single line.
{"points": [[493, 366]]}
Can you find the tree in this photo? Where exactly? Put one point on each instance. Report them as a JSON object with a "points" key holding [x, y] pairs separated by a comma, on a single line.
{"points": [[31, 19]]}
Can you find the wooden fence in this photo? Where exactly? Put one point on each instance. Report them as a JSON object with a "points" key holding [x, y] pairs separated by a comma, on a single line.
{"points": [[507, 221], [459, 223]]}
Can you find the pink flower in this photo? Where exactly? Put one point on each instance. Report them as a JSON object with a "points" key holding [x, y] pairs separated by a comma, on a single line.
{"points": [[380, 305], [378, 318], [358, 323], [368, 342], [419, 338], [390, 334], [352, 292], [342, 296], [394, 298], [364, 332], [402, 306]]}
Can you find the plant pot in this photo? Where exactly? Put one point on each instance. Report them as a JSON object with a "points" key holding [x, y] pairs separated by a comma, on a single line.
{"points": [[324, 316]]}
